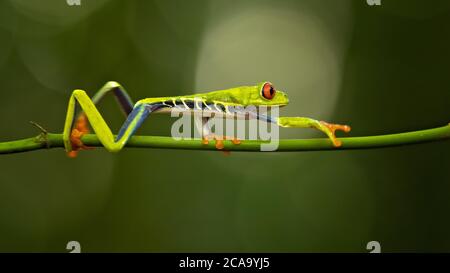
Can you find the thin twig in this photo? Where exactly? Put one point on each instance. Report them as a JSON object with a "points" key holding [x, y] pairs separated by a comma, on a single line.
{"points": [[285, 145], [35, 124]]}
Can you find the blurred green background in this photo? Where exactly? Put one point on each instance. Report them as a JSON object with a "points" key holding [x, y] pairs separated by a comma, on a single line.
{"points": [[382, 69]]}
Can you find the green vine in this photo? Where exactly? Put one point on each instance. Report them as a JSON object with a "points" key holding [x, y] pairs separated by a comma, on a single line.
{"points": [[47, 140]]}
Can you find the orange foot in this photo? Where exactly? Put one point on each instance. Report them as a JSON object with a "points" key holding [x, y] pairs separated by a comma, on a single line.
{"points": [[331, 130], [219, 141], [80, 129]]}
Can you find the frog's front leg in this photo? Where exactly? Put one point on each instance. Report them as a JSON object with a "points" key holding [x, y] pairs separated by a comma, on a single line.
{"points": [[205, 130], [328, 128]]}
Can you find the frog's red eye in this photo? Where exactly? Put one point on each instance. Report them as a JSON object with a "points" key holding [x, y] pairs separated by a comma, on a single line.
{"points": [[268, 91]]}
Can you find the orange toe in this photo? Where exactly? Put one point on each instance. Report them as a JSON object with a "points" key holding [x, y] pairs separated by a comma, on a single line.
{"points": [[332, 130], [236, 141], [334, 127], [82, 124], [72, 154], [81, 128], [219, 144], [219, 141]]}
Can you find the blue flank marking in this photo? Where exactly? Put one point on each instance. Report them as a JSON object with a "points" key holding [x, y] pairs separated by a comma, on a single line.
{"points": [[253, 114], [141, 112], [267, 119], [124, 100]]}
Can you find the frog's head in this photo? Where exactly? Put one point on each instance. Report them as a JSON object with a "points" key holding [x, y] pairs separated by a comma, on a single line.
{"points": [[265, 94]]}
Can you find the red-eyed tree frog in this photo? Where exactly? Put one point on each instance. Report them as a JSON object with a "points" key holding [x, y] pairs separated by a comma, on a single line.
{"points": [[263, 94]]}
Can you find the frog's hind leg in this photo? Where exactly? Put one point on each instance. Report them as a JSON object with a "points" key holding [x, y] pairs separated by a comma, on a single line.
{"points": [[134, 120], [123, 99], [81, 124]]}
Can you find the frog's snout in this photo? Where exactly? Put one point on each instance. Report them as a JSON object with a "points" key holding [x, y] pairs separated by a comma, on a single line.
{"points": [[283, 98]]}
